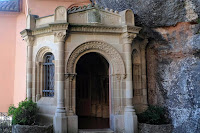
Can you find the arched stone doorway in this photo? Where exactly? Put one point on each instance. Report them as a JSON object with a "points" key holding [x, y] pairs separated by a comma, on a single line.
{"points": [[116, 81], [92, 91]]}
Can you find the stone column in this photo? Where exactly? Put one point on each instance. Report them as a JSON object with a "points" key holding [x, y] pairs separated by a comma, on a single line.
{"points": [[30, 42], [144, 77], [130, 117], [118, 94], [38, 95], [60, 119], [71, 78]]}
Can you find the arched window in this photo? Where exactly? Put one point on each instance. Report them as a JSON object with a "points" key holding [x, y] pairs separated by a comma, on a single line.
{"points": [[49, 70]]}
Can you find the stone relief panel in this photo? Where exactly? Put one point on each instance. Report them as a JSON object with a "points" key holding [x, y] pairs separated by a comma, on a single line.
{"points": [[94, 16]]}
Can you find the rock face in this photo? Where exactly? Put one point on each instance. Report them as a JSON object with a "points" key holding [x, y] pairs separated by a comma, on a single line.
{"points": [[177, 78], [173, 56], [153, 13]]}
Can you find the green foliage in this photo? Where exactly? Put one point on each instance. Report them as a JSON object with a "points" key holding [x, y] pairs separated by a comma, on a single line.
{"points": [[154, 115], [25, 114], [11, 110]]}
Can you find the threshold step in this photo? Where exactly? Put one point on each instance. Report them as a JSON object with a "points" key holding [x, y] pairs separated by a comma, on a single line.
{"points": [[95, 131]]}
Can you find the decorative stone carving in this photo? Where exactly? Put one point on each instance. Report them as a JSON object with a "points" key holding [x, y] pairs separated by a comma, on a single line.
{"points": [[59, 36], [29, 40], [60, 14], [128, 37], [50, 29], [106, 50]]}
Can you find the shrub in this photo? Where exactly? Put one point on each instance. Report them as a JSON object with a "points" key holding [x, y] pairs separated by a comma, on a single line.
{"points": [[11, 110], [154, 115], [25, 114]]}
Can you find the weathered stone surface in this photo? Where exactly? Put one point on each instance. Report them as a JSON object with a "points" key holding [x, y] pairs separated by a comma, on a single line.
{"points": [[32, 129], [177, 76], [154, 13], [148, 128]]}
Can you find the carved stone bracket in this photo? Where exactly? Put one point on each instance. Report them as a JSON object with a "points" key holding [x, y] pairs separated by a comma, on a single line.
{"points": [[59, 36], [128, 37]]}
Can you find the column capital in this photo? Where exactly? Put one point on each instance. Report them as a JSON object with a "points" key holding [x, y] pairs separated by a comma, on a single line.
{"points": [[119, 76], [60, 36], [71, 76], [128, 37], [38, 63], [29, 40]]}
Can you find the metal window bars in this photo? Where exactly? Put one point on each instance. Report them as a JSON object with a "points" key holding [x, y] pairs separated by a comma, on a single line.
{"points": [[49, 70]]}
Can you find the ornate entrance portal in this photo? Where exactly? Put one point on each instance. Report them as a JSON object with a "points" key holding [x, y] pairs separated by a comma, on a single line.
{"points": [[92, 92], [95, 72]]}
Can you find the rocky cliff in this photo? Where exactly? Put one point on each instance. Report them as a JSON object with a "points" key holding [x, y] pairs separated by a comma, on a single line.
{"points": [[173, 55]]}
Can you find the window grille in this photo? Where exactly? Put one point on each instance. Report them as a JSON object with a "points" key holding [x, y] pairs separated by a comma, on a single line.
{"points": [[49, 70]]}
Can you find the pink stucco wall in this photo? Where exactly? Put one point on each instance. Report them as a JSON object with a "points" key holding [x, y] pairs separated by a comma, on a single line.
{"points": [[13, 48], [7, 58]]}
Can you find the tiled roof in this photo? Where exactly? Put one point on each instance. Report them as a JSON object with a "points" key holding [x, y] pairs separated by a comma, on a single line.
{"points": [[9, 5]]}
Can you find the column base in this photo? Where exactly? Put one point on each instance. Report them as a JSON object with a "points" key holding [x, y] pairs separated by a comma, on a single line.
{"points": [[117, 123], [130, 120], [72, 124], [60, 123]]}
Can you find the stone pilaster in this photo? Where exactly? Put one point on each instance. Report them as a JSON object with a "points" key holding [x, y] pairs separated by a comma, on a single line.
{"points": [[130, 117], [72, 117], [60, 118], [30, 41]]}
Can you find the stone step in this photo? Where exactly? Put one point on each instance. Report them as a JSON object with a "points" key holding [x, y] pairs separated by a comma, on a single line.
{"points": [[95, 131]]}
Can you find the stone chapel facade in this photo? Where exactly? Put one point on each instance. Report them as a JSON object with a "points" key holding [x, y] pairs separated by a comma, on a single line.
{"points": [[86, 61]]}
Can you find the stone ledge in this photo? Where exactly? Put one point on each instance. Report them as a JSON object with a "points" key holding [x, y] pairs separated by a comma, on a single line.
{"points": [[32, 129], [148, 128]]}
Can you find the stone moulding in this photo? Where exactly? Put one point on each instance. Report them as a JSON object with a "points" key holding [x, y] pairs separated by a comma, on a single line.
{"points": [[82, 28], [42, 51], [110, 53]]}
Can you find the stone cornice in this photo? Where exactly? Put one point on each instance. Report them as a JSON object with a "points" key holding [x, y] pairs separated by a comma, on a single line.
{"points": [[51, 28], [26, 32]]}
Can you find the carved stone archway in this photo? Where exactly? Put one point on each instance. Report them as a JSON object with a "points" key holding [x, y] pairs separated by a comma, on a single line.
{"points": [[111, 54]]}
